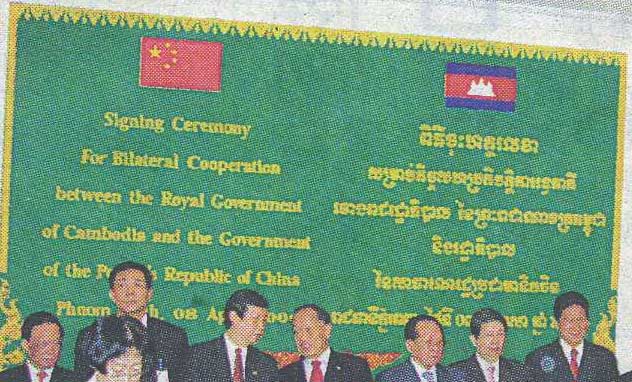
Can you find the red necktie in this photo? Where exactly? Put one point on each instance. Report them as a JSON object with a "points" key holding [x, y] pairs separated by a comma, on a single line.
{"points": [[237, 373], [574, 365], [41, 375], [317, 374]]}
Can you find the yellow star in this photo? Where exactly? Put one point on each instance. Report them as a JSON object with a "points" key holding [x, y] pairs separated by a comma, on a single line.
{"points": [[155, 52]]}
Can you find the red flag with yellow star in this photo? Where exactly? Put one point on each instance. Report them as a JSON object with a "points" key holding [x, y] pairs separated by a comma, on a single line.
{"points": [[181, 64]]}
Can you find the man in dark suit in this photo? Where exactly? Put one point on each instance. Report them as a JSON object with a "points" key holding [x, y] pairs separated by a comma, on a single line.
{"points": [[572, 357], [488, 330], [131, 289], [318, 363], [424, 340], [42, 336], [222, 359]]}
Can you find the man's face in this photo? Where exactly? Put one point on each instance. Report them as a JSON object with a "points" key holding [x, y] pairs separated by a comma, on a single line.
{"points": [[44, 345], [427, 348], [573, 325], [252, 326], [310, 333], [130, 293], [491, 341]]}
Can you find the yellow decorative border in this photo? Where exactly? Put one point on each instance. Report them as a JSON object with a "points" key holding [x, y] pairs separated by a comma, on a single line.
{"points": [[8, 136], [302, 33], [618, 192], [312, 34]]}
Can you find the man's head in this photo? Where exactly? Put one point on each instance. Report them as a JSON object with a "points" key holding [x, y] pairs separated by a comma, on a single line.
{"points": [[312, 329], [42, 336], [571, 313], [488, 328], [131, 288], [245, 317], [424, 340]]}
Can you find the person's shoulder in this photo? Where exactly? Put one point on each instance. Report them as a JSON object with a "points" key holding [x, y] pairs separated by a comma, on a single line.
{"points": [[460, 364], [544, 350], [460, 371], [512, 364], [64, 374], [290, 369], [393, 373], [12, 374], [262, 357], [348, 358], [207, 345], [87, 329], [597, 349], [163, 325]]}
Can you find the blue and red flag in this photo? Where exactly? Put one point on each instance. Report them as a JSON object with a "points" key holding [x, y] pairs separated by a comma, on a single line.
{"points": [[481, 87]]}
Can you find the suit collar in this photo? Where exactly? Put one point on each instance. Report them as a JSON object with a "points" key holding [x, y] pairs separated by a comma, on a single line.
{"points": [[31, 371], [567, 349], [333, 367], [219, 355], [559, 354], [473, 369], [417, 369]]}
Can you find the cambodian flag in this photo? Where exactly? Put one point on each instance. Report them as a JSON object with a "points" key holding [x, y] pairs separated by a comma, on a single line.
{"points": [[481, 87]]}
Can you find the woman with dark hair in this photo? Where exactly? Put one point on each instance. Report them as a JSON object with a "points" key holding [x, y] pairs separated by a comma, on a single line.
{"points": [[115, 349]]}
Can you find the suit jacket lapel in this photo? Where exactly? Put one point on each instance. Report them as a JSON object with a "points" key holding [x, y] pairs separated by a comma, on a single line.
{"points": [[56, 377], [332, 374], [503, 375], [586, 365], [474, 370], [442, 374], [411, 373], [223, 364], [25, 374], [299, 371], [565, 368], [251, 368]]}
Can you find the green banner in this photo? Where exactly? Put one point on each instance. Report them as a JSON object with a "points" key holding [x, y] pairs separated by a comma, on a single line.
{"points": [[380, 176]]}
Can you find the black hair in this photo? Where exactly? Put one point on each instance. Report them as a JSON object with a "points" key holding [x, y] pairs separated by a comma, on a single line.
{"points": [[410, 331], [568, 299], [321, 313], [239, 301], [39, 318], [483, 316], [112, 336], [127, 266]]}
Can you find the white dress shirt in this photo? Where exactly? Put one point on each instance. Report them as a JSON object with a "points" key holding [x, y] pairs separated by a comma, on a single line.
{"points": [[486, 365], [33, 373], [566, 348], [230, 349], [324, 361], [420, 370]]}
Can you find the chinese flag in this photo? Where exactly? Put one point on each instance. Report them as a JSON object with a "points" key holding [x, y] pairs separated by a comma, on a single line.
{"points": [[181, 64]]}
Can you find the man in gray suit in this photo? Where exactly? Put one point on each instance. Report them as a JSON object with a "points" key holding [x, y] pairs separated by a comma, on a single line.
{"points": [[571, 357], [424, 340]]}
